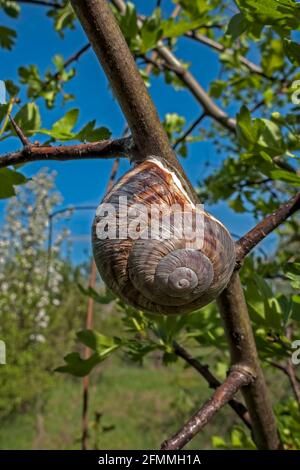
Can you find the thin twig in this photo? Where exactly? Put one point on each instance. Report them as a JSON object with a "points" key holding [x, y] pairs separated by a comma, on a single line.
{"points": [[25, 141], [212, 381], [41, 3], [73, 58], [189, 130], [249, 241], [254, 68], [94, 150], [236, 379]]}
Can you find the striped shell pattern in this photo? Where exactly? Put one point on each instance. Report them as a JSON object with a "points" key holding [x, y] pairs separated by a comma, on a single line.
{"points": [[173, 275]]}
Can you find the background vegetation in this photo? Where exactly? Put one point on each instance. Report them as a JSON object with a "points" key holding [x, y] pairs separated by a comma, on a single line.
{"points": [[141, 388]]}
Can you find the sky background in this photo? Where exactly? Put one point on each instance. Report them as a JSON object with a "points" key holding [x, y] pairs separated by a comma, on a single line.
{"points": [[84, 182]]}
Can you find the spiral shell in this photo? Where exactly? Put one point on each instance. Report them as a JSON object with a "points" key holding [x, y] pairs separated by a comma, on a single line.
{"points": [[171, 273]]}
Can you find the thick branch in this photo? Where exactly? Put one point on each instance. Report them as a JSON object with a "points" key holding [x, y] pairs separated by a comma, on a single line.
{"points": [[237, 379], [102, 149], [266, 226], [240, 337], [111, 49], [128, 86], [212, 381]]}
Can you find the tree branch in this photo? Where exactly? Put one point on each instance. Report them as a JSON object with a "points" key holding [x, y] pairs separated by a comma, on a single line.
{"points": [[41, 3], [102, 149], [189, 130], [212, 381], [237, 325], [209, 106], [171, 62], [77, 55], [127, 84], [249, 241], [236, 379], [112, 51], [25, 141]]}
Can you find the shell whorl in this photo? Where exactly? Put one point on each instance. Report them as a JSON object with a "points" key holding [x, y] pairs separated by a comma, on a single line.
{"points": [[163, 274]]}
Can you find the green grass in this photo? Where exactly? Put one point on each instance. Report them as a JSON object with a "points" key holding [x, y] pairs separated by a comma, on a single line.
{"points": [[144, 405]]}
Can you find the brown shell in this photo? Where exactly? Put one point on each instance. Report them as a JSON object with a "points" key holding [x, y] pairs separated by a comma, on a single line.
{"points": [[129, 267]]}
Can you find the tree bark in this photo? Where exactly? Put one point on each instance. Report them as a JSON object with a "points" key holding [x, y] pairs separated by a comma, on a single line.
{"points": [[243, 350]]}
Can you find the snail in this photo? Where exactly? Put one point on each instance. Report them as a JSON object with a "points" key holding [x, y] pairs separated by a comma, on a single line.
{"points": [[162, 270]]}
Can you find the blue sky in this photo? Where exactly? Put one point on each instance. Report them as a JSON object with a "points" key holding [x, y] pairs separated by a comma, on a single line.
{"points": [[84, 182]]}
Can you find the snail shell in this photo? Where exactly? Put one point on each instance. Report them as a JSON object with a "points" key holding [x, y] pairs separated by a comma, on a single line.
{"points": [[171, 273]]}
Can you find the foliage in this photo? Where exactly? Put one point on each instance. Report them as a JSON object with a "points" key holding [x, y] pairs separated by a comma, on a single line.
{"points": [[39, 310], [256, 170]]}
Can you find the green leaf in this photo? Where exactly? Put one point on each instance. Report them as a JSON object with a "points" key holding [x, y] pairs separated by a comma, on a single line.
{"points": [[237, 204], [128, 22], [244, 126], [11, 8], [62, 129], [65, 124], [292, 50], [103, 347], [287, 176], [283, 14], [8, 180], [237, 26], [63, 18], [102, 299], [28, 119], [101, 344], [3, 111], [173, 28], [151, 32], [77, 366], [217, 87], [90, 133], [7, 37]]}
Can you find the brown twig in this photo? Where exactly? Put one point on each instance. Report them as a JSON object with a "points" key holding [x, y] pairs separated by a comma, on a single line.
{"points": [[189, 130], [25, 141], [236, 379], [237, 326], [73, 58], [41, 3], [171, 63], [212, 381], [249, 241], [94, 150]]}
